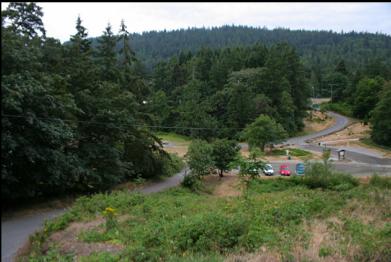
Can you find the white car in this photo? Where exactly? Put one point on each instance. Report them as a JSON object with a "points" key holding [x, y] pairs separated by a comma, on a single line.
{"points": [[268, 170]]}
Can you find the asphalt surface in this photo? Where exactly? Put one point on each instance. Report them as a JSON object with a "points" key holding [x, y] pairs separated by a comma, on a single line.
{"points": [[16, 230], [340, 123], [351, 154]]}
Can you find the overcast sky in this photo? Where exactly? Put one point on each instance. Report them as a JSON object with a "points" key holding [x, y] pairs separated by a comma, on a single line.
{"points": [[60, 18]]}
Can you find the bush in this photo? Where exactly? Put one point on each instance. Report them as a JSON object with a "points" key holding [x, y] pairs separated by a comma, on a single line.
{"points": [[382, 182], [172, 165], [209, 232], [320, 176], [342, 108], [192, 182]]}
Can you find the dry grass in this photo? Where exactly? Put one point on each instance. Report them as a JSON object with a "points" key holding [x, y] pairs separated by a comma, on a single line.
{"points": [[351, 136], [319, 121], [67, 240], [229, 186], [180, 150]]}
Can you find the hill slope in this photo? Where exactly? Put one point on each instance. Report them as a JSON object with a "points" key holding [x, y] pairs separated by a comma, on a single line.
{"points": [[318, 49]]}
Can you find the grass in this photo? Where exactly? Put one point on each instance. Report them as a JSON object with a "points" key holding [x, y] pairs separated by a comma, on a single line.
{"points": [[181, 225], [292, 151], [173, 137]]}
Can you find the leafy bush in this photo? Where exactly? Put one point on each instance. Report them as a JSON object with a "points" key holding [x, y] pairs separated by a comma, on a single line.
{"points": [[340, 107], [382, 182], [172, 165], [209, 232], [192, 182], [320, 176]]}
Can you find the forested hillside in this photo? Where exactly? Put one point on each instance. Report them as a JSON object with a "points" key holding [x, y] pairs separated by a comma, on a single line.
{"points": [[319, 50], [226, 89]]}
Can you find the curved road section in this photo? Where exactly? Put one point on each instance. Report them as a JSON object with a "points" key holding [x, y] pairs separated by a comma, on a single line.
{"points": [[341, 123]]}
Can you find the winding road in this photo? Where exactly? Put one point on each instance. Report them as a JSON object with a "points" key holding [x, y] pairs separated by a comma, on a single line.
{"points": [[16, 230]]}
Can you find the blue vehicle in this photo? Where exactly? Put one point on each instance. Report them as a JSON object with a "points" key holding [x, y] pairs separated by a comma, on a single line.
{"points": [[299, 170]]}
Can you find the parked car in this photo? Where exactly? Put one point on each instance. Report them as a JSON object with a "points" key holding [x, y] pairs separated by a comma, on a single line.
{"points": [[299, 169], [268, 170], [284, 170]]}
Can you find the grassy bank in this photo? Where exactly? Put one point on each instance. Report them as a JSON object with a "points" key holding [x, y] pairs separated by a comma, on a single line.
{"points": [[173, 137], [273, 218]]}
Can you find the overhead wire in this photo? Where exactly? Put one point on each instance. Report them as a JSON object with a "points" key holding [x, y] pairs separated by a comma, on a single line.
{"points": [[123, 124]]}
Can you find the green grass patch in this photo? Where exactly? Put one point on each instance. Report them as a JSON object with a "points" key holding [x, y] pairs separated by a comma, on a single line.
{"points": [[173, 137], [183, 225], [292, 151]]}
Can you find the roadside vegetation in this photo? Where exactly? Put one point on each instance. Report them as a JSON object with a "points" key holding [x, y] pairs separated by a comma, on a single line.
{"points": [[280, 218]]}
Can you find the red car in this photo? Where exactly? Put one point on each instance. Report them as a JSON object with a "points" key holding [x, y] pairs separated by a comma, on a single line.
{"points": [[284, 170]]}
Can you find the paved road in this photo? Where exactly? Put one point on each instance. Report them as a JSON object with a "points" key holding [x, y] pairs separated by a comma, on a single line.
{"points": [[16, 230], [340, 123], [360, 156]]}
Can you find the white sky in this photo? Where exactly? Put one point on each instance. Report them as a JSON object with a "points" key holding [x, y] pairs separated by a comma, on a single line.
{"points": [[60, 18]]}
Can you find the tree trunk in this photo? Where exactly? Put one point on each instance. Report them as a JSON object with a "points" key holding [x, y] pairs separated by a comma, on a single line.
{"points": [[221, 174]]}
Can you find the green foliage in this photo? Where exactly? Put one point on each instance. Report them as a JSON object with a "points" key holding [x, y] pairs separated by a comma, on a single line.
{"points": [[292, 151], [200, 157], [172, 165], [319, 175], [340, 107], [223, 153], [173, 137], [192, 182], [250, 166], [262, 131], [366, 96], [380, 181], [180, 225], [68, 119], [381, 118], [101, 256]]}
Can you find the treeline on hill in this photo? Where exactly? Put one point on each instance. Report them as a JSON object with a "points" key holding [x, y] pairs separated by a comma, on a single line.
{"points": [[70, 116], [363, 94], [320, 51], [224, 90]]}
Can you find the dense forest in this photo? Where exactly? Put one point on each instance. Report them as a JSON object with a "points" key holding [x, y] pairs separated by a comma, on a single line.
{"points": [[319, 51], [226, 89], [72, 117], [82, 116]]}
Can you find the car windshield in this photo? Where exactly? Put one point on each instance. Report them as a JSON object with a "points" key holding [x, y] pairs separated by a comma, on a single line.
{"points": [[284, 168], [268, 167]]}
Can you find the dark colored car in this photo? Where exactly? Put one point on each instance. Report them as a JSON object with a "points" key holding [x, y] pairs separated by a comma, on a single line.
{"points": [[284, 170]]}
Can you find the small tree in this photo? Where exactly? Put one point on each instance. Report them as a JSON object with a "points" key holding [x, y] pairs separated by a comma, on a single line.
{"points": [[199, 157], [224, 152], [262, 131], [381, 118]]}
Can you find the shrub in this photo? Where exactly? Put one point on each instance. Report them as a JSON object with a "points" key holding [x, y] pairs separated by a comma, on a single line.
{"points": [[172, 165], [191, 181], [382, 182], [320, 176]]}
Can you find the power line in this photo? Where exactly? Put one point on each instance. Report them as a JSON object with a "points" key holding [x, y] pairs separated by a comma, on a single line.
{"points": [[124, 124]]}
